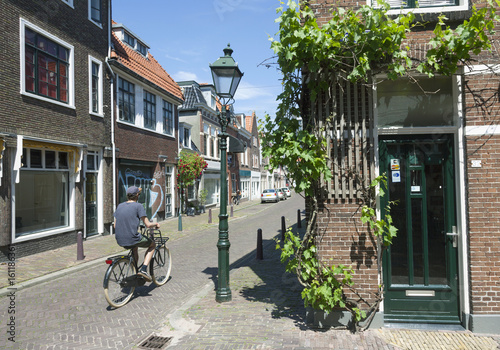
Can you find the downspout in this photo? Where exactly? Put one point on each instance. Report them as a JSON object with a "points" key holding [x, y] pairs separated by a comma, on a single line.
{"points": [[113, 145]]}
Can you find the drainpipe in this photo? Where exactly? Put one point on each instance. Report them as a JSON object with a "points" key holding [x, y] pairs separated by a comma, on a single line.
{"points": [[113, 144]]}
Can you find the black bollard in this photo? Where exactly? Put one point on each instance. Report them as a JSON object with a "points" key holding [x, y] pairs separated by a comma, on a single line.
{"points": [[283, 229], [260, 250], [210, 215], [231, 210], [299, 221], [79, 246]]}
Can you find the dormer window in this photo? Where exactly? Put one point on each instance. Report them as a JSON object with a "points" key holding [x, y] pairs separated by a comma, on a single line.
{"points": [[142, 49], [135, 44], [130, 40]]}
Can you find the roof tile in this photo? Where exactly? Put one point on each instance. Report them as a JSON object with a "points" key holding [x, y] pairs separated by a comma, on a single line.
{"points": [[148, 68]]}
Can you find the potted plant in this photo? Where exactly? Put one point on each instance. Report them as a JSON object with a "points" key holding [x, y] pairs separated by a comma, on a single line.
{"points": [[202, 200]]}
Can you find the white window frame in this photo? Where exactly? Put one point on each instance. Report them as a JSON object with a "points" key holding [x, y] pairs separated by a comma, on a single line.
{"points": [[69, 3], [99, 24], [100, 93], [463, 6], [71, 62], [70, 204]]}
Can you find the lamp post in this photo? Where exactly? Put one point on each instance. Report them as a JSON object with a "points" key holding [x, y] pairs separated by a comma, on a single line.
{"points": [[226, 76]]}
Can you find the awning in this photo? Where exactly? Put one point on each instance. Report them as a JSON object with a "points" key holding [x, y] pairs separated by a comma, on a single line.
{"points": [[75, 153]]}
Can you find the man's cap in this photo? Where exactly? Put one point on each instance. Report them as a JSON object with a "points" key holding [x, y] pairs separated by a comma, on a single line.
{"points": [[133, 190]]}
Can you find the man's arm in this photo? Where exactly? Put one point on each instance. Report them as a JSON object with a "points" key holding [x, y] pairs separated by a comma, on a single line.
{"points": [[150, 224]]}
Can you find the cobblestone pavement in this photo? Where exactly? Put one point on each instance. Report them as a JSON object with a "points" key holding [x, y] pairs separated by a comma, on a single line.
{"points": [[266, 312], [59, 302]]}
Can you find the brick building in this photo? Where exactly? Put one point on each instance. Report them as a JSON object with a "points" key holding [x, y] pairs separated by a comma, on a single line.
{"points": [[198, 113], [441, 156], [249, 173], [55, 165], [146, 101]]}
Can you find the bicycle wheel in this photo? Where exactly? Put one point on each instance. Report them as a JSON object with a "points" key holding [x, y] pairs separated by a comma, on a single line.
{"points": [[116, 290], [161, 265]]}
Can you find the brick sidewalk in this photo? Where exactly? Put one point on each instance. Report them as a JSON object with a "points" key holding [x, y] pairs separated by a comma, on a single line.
{"points": [[267, 312]]}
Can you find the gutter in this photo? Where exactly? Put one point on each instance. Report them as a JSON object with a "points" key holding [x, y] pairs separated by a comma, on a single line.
{"points": [[113, 144]]}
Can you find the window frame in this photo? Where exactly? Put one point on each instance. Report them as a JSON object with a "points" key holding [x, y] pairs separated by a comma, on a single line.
{"points": [[70, 69], [461, 5], [90, 8], [168, 117], [149, 118], [65, 169], [100, 87], [69, 3], [131, 95]]}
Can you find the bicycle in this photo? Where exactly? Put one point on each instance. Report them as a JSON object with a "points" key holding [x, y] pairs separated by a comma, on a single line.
{"points": [[121, 279], [236, 199]]}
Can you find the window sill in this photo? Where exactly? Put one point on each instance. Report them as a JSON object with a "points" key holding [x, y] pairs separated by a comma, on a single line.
{"points": [[38, 97], [30, 236], [101, 115]]}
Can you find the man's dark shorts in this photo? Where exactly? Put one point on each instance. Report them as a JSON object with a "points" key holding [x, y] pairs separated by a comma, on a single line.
{"points": [[145, 242]]}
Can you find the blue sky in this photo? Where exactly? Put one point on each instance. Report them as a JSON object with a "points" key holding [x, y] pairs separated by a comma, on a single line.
{"points": [[185, 36]]}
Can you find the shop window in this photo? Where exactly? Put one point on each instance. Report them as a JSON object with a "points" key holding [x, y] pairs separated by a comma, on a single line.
{"points": [[42, 194]]}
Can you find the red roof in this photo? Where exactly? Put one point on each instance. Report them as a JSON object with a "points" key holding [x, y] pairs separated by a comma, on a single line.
{"points": [[148, 68]]}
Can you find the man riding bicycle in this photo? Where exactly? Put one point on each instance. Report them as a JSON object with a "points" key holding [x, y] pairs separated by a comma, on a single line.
{"points": [[127, 219]]}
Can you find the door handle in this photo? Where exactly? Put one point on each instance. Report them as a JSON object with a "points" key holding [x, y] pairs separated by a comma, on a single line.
{"points": [[454, 235]]}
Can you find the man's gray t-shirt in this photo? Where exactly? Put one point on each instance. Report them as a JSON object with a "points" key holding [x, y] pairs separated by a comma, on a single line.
{"points": [[128, 216]]}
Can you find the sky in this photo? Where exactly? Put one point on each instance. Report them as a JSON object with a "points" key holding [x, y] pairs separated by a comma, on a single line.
{"points": [[186, 36]]}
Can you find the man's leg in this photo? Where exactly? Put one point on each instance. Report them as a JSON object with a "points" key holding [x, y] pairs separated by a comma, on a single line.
{"points": [[135, 252], [149, 253]]}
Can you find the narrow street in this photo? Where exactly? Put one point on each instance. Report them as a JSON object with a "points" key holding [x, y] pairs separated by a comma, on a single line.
{"points": [[71, 312]]}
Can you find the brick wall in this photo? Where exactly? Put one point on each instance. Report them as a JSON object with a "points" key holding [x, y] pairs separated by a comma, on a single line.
{"points": [[31, 117], [343, 239], [484, 223]]}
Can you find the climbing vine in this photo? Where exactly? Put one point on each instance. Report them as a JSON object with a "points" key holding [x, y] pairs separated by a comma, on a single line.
{"points": [[354, 45]]}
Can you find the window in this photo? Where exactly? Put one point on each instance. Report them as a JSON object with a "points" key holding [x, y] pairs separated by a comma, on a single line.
{"points": [[42, 195], [95, 86], [142, 49], [403, 103], [95, 11], [130, 40], [46, 66], [126, 101], [168, 118], [149, 110], [187, 137], [69, 2], [205, 145], [426, 5]]}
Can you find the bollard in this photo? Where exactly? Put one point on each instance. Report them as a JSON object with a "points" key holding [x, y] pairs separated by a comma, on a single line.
{"points": [[231, 210], [299, 221], [283, 229], [260, 250], [79, 246], [210, 215]]}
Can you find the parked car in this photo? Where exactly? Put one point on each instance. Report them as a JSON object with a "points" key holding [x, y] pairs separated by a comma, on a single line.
{"points": [[287, 191], [269, 195], [281, 194]]}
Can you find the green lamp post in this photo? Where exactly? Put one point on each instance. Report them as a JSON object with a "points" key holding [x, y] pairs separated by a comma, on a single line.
{"points": [[226, 76]]}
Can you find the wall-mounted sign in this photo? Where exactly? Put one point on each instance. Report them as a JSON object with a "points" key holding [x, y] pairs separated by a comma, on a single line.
{"points": [[395, 164]]}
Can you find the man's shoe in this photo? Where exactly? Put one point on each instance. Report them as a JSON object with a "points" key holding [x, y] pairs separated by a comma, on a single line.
{"points": [[144, 274]]}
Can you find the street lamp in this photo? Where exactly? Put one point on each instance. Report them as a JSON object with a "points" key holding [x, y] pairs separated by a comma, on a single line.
{"points": [[226, 76]]}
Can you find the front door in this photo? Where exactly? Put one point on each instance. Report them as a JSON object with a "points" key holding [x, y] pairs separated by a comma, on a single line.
{"points": [[420, 268]]}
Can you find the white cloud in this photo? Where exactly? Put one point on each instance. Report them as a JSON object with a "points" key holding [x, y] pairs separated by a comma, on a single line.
{"points": [[183, 76], [247, 91]]}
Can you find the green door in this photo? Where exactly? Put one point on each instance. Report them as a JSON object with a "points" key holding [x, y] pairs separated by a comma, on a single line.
{"points": [[420, 268]]}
